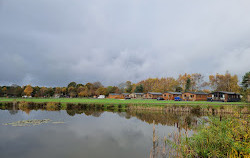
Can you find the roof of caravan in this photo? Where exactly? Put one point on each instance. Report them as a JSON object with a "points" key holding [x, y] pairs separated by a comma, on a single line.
{"points": [[178, 93], [224, 92], [155, 93], [200, 93]]}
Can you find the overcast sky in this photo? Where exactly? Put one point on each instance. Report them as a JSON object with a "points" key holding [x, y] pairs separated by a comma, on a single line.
{"points": [[53, 42]]}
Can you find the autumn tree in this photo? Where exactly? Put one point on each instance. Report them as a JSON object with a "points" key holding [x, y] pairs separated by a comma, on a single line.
{"points": [[113, 89], [4, 91], [58, 90], [64, 90], [97, 85], [169, 84], [43, 92], [90, 88], [81, 91], [226, 82], [122, 87], [28, 90], [84, 92], [197, 81], [72, 92], [101, 91], [182, 79]]}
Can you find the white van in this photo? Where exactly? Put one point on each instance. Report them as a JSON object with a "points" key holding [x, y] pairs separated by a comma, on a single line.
{"points": [[101, 97]]}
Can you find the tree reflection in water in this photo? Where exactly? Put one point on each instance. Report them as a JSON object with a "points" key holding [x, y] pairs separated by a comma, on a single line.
{"points": [[181, 120]]}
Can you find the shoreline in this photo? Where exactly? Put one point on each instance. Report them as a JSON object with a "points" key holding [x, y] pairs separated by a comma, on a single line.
{"points": [[167, 107]]}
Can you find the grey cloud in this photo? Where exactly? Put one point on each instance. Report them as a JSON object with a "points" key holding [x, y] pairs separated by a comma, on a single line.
{"points": [[50, 43]]}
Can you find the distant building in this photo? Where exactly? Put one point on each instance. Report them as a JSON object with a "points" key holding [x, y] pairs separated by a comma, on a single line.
{"points": [[136, 95], [195, 96], [152, 95], [125, 95], [171, 95], [225, 96], [116, 96]]}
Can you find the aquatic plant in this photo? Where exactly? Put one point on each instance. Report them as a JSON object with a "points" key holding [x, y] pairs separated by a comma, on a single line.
{"points": [[28, 122]]}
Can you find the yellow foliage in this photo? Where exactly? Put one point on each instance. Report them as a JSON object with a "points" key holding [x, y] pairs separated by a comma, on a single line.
{"points": [[28, 90]]}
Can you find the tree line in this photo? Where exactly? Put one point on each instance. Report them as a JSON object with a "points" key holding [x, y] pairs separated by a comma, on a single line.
{"points": [[185, 82]]}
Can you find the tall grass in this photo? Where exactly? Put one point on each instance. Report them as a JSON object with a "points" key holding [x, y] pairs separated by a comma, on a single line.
{"points": [[229, 137]]}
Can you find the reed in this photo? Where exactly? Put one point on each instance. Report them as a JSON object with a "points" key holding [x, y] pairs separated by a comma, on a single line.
{"points": [[228, 137]]}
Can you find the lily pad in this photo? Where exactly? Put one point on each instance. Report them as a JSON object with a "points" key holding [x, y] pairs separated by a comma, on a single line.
{"points": [[28, 122]]}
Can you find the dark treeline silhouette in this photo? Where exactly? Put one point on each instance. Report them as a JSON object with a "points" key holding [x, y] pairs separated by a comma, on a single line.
{"points": [[186, 82]]}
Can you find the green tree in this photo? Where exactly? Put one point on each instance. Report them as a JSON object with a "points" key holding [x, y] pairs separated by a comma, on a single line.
{"points": [[128, 87], [188, 85], [139, 89], [1, 92], [50, 92], [246, 81], [79, 85], [178, 89], [72, 84], [246, 87], [36, 90]]}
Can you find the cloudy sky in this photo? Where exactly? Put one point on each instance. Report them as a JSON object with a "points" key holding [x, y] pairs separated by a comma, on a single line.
{"points": [[53, 42]]}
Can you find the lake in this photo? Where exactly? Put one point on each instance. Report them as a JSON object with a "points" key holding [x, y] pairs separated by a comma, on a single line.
{"points": [[88, 133]]}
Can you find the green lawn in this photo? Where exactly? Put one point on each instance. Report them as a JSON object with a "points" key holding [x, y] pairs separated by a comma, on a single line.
{"points": [[118, 101]]}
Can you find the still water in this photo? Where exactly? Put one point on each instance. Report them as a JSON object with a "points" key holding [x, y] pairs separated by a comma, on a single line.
{"points": [[88, 134]]}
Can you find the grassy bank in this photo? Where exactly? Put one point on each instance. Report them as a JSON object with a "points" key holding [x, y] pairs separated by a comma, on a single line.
{"points": [[144, 104], [119, 101], [218, 137], [137, 104]]}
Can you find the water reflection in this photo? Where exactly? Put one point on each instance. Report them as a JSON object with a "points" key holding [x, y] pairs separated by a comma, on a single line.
{"points": [[177, 119], [88, 131]]}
